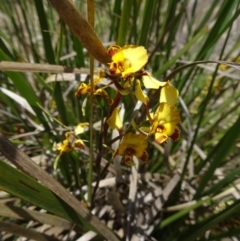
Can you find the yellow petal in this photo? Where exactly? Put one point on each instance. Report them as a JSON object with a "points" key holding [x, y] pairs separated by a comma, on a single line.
{"points": [[151, 83], [104, 94], [165, 131], [154, 127], [140, 95], [169, 128], [118, 57], [64, 147], [166, 113], [169, 94], [114, 120], [80, 128], [160, 138], [136, 142], [82, 89], [135, 59], [133, 145], [79, 144]]}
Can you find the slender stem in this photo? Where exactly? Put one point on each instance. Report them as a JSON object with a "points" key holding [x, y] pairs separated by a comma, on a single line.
{"points": [[91, 157], [103, 138]]}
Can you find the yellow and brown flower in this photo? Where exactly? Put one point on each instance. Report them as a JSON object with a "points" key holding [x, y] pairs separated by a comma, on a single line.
{"points": [[133, 145]]}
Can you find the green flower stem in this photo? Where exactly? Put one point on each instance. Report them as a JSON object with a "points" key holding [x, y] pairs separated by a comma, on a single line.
{"points": [[90, 170]]}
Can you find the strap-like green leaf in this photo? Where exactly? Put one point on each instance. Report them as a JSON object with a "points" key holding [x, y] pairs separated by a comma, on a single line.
{"points": [[25, 164]]}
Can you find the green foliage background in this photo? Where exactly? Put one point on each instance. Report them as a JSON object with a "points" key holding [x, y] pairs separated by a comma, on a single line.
{"points": [[205, 202]]}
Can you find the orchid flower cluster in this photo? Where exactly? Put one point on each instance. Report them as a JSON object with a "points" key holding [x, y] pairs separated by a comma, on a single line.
{"points": [[126, 73]]}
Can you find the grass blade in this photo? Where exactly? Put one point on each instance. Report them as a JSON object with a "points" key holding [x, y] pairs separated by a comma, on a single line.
{"points": [[24, 163]]}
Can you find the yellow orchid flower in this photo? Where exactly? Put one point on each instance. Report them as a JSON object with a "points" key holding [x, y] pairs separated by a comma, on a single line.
{"points": [[71, 141], [114, 120], [69, 144], [128, 60], [86, 88], [83, 89], [164, 123], [168, 94], [133, 145]]}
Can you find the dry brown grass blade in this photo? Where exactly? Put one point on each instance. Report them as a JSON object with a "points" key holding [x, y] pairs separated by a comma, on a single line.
{"points": [[26, 165], [81, 28], [21, 231], [40, 68]]}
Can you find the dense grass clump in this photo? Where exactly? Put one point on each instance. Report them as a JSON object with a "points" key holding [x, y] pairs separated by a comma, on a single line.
{"points": [[119, 120]]}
